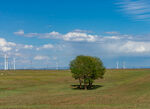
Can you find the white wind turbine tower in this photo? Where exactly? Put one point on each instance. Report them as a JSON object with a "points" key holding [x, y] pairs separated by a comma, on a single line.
{"points": [[57, 66], [5, 62], [124, 65], [117, 65], [14, 61], [56, 60], [47, 64]]}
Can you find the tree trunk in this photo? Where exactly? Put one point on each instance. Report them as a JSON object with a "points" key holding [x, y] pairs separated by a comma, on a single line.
{"points": [[85, 85], [90, 84], [80, 83]]}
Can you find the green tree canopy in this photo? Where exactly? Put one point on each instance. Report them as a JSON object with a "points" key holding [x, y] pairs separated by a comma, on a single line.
{"points": [[87, 69]]}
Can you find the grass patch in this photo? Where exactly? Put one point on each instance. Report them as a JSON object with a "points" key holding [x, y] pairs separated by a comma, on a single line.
{"points": [[50, 89]]}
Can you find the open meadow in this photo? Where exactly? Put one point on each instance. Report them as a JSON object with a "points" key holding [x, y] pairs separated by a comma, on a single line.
{"points": [[49, 89]]}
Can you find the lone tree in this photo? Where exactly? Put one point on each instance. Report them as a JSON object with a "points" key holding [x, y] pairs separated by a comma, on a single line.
{"points": [[87, 69]]}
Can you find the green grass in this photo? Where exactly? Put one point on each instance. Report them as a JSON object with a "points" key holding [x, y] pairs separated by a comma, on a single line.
{"points": [[43, 89]]}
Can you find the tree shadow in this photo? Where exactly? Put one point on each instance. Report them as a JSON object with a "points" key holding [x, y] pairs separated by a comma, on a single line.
{"points": [[77, 87]]}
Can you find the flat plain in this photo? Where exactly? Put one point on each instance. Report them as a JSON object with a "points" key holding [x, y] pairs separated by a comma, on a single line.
{"points": [[51, 89]]}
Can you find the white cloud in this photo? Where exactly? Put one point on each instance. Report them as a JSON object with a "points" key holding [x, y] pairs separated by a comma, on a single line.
{"points": [[112, 32], [129, 47], [28, 46], [137, 9], [82, 31], [114, 43], [51, 35], [3, 42], [41, 57], [54, 33], [11, 44], [46, 46], [18, 54], [135, 47], [31, 35], [6, 46], [77, 36], [20, 32], [5, 49], [39, 35], [55, 58], [113, 37]]}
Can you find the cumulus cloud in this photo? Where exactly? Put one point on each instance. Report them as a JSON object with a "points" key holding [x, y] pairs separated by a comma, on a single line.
{"points": [[28, 46], [6, 46], [135, 47], [20, 33], [82, 31], [39, 35], [128, 47], [52, 34], [112, 32], [31, 35], [5, 49], [113, 42], [76, 35], [68, 46], [41, 58], [46, 46], [112, 37]]}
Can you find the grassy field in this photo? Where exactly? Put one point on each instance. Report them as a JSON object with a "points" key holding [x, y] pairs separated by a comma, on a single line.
{"points": [[35, 89]]}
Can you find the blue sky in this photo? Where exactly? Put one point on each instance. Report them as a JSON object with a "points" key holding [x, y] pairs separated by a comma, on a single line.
{"points": [[47, 32]]}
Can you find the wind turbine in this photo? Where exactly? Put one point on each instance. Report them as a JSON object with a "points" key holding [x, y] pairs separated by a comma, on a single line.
{"points": [[5, 62], [14, 60], [57, 66], [31, 64], [124, 65], [117, 65]]}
